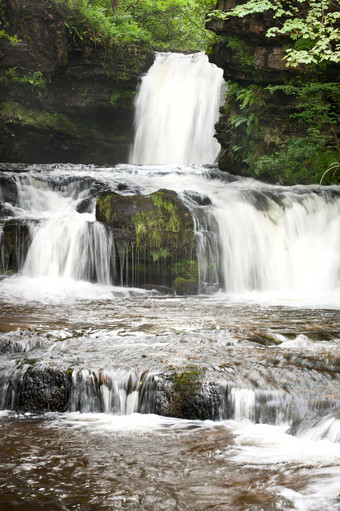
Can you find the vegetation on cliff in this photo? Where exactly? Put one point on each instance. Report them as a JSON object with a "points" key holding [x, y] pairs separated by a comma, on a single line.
{"points": [[165, 24], [281, 118], [310, 24]]}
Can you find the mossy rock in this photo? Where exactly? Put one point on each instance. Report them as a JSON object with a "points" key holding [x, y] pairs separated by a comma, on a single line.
{"points": [[156, 232], [184, 393], [186, 286]]}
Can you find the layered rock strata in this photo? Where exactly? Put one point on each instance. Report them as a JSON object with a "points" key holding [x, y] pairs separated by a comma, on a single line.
{"points": [[63, 99]]}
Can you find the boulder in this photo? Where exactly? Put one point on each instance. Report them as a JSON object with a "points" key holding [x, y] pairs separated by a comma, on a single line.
{"points": [[154, 237]]}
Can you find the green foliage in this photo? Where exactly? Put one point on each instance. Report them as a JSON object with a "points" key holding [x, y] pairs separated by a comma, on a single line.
{"points": [[94, 22], [260, 146], [316, 103], [312, 25], [12, 39], [175, 24], [12, 75], [297, 160], [248, 100]]}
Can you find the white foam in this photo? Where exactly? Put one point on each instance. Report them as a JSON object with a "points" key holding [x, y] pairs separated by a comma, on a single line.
{"points": [[61, 290], [132, 424]]}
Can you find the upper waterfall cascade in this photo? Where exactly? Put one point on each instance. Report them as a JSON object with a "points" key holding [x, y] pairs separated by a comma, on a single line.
{"points": [[176, 110]]}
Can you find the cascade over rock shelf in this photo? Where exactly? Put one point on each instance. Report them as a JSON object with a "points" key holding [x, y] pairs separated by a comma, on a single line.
{"points": [[63, 99]]}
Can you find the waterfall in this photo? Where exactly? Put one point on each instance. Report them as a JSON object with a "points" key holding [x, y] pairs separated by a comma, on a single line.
{"points": [[65, 244], [257, 351], [289, 241], [176, 110], [250, 237]]}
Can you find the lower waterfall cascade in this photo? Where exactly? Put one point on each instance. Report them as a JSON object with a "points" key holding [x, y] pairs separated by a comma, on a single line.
{"points": [[226, 397]]}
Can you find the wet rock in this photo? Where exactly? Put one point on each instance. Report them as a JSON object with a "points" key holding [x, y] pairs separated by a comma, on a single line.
{"points": [[186, 286], [163, 290], [185, 394], [5, 211], [154, 237], [8, 190], [14, 242], [45, 390], [198, 198]]}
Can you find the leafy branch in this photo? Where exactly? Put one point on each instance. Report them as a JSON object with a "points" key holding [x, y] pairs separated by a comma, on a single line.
{"points": [[312, 25]]}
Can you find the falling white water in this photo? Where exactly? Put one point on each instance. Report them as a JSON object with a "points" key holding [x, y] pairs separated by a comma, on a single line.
{"points": [[288, 242], [65, 244], [252, 240], [176, 110], [115, 391]]}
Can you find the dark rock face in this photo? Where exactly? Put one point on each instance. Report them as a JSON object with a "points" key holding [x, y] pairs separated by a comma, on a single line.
{"points": [[44, 390], [265, 126], [62, 101], [185, 394], [15, 240], [154, 233], [246, 54], [8, 190]]}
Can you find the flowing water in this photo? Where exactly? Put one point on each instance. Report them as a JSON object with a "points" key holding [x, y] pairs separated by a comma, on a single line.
{"points": [[176, 110], [264, 329]]}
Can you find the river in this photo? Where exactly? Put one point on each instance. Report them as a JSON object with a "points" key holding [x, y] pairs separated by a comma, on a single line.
{"points": [[263, 330]]}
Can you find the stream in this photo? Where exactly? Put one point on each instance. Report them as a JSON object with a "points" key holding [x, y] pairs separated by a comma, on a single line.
{"points": [[115, 396]]}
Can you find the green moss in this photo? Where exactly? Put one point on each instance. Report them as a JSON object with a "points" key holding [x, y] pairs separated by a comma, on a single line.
{"points": [[186, 269], [187, 380], [171, 222], [151, 225], [104, 207], [184, 385]]}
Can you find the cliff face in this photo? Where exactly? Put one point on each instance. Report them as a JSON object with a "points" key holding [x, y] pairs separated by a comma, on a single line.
{"points": [[64, 99], [272, 128]]}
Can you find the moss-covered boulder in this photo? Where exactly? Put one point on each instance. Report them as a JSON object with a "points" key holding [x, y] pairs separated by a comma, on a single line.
{"points": [[185, 393], [154, 239]]}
